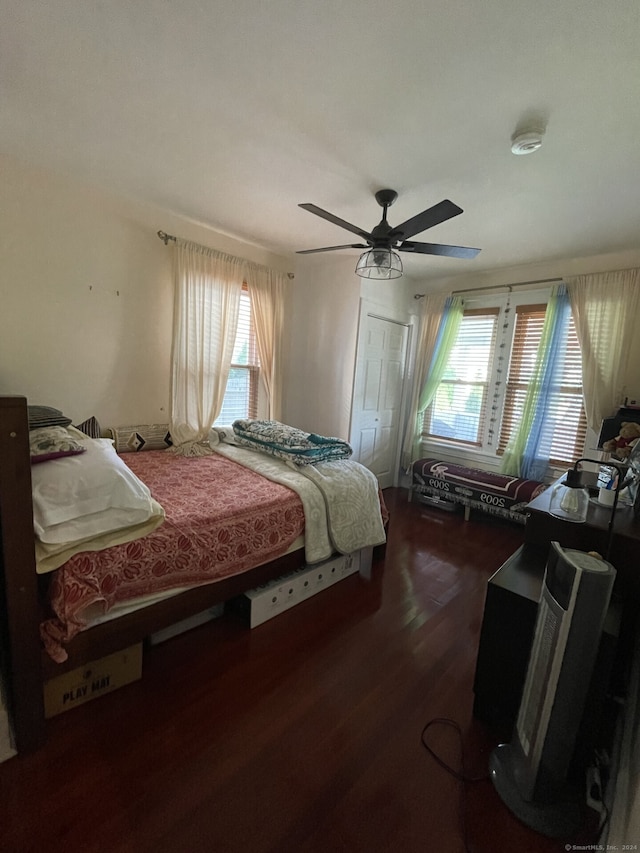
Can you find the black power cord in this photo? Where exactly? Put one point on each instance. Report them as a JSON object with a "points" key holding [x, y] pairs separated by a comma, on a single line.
{"points": [[458, 774]]}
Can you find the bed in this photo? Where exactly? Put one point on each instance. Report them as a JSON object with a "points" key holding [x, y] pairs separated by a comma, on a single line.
{"points": [[78, 608]]}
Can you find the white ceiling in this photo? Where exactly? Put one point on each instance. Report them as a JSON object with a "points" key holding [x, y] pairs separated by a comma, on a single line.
{"points": [[232, 113]]}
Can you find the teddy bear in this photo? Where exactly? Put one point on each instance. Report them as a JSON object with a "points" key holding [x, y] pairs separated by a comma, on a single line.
{"points": [[621, 446]]}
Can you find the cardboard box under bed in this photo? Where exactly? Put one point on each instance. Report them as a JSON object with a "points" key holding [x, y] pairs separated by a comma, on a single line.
{"points": [[497, 494], [91, 680]]}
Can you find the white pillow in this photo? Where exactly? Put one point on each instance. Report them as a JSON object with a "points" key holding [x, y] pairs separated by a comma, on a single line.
{"points": [[87, 495]]}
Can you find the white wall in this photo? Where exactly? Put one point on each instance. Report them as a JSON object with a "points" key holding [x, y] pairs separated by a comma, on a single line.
{"points": [[86, 308], [323, 317]]}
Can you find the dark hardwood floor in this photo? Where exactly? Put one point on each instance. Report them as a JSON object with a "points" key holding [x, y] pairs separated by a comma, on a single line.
{"points": [[300, 736]]}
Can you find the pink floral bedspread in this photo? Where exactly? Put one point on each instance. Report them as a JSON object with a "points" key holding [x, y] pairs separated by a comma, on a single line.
{"points": [[221, 519]]}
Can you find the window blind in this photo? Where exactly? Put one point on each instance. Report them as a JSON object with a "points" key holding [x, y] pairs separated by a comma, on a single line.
{"points": [[458, 411], [566, 413], [241, 395]]}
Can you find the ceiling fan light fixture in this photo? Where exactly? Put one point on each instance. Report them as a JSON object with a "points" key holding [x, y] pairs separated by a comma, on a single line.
{"points": [[381, 264]]}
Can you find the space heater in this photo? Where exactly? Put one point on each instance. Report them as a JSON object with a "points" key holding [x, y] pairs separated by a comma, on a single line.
{"points": [[530, 773]]}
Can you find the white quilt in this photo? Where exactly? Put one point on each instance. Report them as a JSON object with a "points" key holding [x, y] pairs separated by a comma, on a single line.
{"points": [[340, 500], [350, 493]]}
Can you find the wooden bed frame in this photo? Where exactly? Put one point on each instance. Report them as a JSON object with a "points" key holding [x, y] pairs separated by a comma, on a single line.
{"points": [[26, 665]]}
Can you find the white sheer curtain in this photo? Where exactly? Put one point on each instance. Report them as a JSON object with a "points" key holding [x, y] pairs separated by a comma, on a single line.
{"points": [[267, 290], [428, 327], [206, 301], [605, 308]]}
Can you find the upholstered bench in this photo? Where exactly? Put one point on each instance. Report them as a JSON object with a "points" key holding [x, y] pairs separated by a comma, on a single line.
{"points": [[497, 494]]}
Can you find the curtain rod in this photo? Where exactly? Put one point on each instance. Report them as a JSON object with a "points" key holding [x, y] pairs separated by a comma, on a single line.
{"points": [[166, 237], [510, 287], [506, 286]]}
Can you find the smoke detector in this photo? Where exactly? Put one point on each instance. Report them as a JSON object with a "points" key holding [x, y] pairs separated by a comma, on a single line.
{"points": [[526, 141]]}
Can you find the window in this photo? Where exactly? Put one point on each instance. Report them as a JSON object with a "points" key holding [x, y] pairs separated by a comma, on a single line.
{"points": [[479, 402], [460, 403], [567, 420], [241, 395]]}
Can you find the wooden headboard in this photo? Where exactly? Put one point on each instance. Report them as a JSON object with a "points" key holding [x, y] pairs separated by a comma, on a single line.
{"points": [[18, 588]]}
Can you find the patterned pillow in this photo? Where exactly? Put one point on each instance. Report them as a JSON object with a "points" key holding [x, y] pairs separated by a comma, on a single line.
{"points": [[90, 427], [47, 443], [45, 416], [129, 439]]}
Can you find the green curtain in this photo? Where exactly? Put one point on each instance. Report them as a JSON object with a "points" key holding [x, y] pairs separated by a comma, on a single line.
{"points": [[514, 453], [447, 336]]}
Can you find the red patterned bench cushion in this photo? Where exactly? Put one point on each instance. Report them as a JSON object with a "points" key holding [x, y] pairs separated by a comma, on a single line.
{"points": [[498, 494]]}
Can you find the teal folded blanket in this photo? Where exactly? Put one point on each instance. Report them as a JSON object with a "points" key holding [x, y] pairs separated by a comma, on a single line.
{"points": [[289, 443]]}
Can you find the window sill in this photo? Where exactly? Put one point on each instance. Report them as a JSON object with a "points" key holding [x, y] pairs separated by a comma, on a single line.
{"points": [[456, 453]]}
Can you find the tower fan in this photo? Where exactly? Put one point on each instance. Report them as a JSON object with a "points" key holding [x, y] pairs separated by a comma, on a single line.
{"points": [[530, 773]]}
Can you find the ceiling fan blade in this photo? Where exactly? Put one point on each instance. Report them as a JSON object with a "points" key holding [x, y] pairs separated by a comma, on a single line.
{"points": [[438, 249], [312, 208], [427, 219], [333, 248]]}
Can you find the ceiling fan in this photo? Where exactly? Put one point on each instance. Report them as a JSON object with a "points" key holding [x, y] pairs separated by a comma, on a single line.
{"points": [[383, 242]]}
